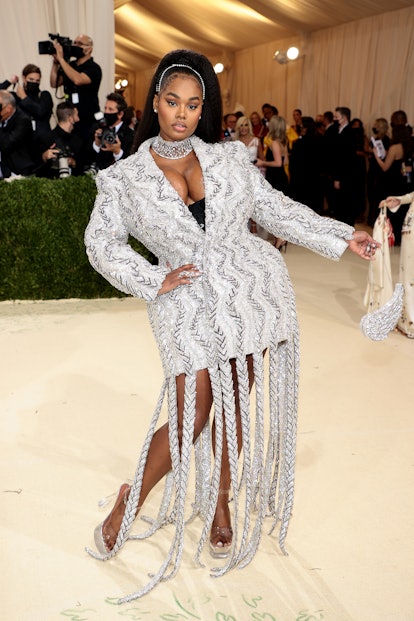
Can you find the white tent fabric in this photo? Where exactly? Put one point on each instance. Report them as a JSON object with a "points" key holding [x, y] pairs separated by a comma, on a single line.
{"points": [[25, 22], [147, 30], [359, 54], [365, 65]]}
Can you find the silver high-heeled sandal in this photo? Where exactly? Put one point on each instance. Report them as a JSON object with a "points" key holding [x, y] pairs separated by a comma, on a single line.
{"points": [[223, 535], [101, 540]]}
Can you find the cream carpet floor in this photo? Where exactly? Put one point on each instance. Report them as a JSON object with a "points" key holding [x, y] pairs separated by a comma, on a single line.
{"points": [[79, 381]]}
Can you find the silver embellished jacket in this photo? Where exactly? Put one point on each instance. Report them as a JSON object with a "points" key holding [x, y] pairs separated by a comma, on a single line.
{"points": [[244, 282]]}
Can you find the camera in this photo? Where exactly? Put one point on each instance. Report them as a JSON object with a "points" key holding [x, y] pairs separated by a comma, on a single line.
{"points": [[108, 135], [91, 170], [69, 50], [60, 164]]}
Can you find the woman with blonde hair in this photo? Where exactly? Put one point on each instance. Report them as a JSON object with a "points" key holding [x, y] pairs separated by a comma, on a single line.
{"points": [[244, 133], [376, 180], [276, 158]]}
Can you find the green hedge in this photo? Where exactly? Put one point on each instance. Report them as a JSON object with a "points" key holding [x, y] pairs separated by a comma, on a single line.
{"points": [[42, 253]]}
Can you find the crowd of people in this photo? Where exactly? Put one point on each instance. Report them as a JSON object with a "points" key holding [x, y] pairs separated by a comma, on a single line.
{"points": [[83, 139], [328, 162]]}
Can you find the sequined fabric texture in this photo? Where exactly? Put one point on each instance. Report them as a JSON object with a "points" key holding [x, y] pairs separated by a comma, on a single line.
{"points": [[378, 324], [242, 304]]}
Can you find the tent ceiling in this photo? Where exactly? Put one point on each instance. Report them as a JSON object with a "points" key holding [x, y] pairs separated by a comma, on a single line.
{"points": [[146, 29]]}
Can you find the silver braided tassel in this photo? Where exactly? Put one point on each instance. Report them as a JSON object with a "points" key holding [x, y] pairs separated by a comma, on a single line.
{"points": [[378, 324]]}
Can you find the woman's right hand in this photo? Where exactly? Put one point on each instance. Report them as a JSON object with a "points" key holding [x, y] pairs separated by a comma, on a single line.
{"points": [[182, 275]]}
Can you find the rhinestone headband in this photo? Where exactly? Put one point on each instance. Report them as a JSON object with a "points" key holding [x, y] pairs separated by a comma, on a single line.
{"points": [[203, 88]]}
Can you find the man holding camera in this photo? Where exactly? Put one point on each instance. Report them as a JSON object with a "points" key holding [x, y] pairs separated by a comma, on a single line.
{"points": [[61, 144], [81, 79], [112, 138]]}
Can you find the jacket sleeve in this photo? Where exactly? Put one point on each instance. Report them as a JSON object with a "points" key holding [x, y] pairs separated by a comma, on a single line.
{"points": [[292, 221], [106, 240], [39, 108]]}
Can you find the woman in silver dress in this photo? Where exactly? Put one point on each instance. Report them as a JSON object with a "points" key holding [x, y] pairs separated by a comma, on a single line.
{"points": [[219, 299]]}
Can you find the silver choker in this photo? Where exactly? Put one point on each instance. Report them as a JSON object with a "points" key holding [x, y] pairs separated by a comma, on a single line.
{"points": [[172, 150]]}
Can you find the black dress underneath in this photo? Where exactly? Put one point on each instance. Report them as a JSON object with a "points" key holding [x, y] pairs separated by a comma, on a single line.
{"points": [[198, 210], [276, 175]]}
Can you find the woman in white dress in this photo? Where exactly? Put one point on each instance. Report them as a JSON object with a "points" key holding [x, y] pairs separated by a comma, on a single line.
{"points": [[244, 133], [218, 300], [406, 275]]}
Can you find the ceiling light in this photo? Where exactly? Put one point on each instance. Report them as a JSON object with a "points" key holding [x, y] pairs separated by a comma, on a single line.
{"points": [[219, 67], [283, 57], [121, 84], [292, 53]]}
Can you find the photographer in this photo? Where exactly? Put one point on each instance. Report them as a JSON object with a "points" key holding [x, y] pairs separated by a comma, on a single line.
{"points": [[36, 103], [16, 139], [81, 79], [112, 139], [60, 144]]}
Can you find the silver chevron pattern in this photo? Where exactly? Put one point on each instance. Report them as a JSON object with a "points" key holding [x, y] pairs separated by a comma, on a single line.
{"points": [[242, 304]]}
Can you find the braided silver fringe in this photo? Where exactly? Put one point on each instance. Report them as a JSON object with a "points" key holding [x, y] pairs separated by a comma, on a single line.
{"points": [[274, 424], [267, 473], [287, 383], [132, 502], [180, 470], [229, 410], [215, 477], [245, 482], [202, 450]]}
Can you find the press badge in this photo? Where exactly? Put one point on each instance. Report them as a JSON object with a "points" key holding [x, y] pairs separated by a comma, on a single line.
{"points": [[75, 98]]}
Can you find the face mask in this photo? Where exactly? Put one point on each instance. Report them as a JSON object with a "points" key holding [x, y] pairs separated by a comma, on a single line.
{"points": [[111, 118], [32, 88], [374, 130]]}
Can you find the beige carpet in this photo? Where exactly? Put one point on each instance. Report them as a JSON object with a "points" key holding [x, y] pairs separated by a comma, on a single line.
{"points": [[79, 383]]}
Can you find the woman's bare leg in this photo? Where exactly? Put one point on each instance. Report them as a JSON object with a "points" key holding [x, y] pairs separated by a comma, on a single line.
{"points": [[221, 534], [158, 462]]}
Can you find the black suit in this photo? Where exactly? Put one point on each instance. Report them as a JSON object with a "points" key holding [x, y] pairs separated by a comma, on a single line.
{"points": [[16, 145], [344, 170], [103, 159], [328, 150]]}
